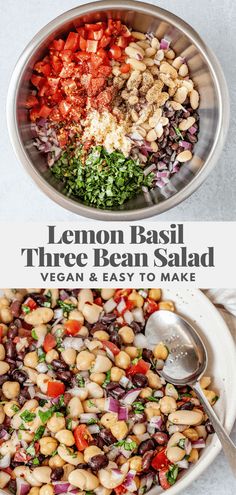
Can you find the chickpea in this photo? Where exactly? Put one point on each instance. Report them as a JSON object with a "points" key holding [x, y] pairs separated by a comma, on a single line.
{"points": [[160, 351], [154, 380], [56, 461], [136, 298], [46, 490], [2, 415], [151, 411], [2, 352], [75, 407], [27, 436], [69, 356], [94, 405], [132, 351], [83, 479], [127, 334], [66, 437], [10, 408], [191, 434], [205, 382], [4, 479], [168, 305], [107, 294], [139, 429], [175, 438], [75, 314], [116, 374], [168, 405], [67, 468], [84, 360], [175, 454], [52, 354], [119, 430], [145, 393], [84, 331], [102, 364], [85, 295], [155, 294], [136, 463], [98, 378], [42, 382], [101, 335], [42, 473], [91, 451], [94, 390], [56, 423], [54, 293], [47, 445], [211, 396], [31, 359], [122, 360], [4, 302], [91, 312], [41, 331], [193, 456], [6, 315], [34, 490], [69, 456], [32, 374], [109, 419], [11, 390], [39, 316], [4, 367]]}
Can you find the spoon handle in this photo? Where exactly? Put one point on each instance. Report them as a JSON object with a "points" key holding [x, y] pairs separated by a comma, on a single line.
{"points": [[227, 444]]}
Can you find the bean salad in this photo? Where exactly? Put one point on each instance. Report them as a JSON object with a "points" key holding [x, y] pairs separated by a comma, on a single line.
{"points": [[114, 110], [83, 407]]}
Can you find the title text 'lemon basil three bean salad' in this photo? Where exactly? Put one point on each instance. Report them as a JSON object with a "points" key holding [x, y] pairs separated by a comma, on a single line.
{"points": [[84, 409], [114, 110]]}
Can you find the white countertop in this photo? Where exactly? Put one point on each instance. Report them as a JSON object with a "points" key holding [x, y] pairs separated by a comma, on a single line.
{"points": [[21, 199]]}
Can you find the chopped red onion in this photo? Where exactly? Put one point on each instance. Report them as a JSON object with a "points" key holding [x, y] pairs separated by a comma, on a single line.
{"points": [[22, 486], [86, 417], [4, 435], [186, 145], [129, 482], [93, 429], [138, 315], [140, 341], [58, 314], [164, 45], [146, 483], [110, 354], [143, 437], [123, 413], [111, 405], [124, 381], [149, 169], [151, 429], [31, 391], [42, 368], [183, 464], [73, 343], [128, 317], [121, 306], [187, 446], [192, 130], [131, 396], [199, 444], [60, 487], [64, 295], [156, 422], [5, 461], [174, 428], [109, 305]]}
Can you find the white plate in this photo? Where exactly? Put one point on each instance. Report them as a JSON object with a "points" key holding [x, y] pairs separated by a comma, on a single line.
{"points": [[198, 310]]}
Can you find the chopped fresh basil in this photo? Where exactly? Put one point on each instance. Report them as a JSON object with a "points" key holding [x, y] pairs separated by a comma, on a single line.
{"points": [[34, 335], [47, 304], [65, 306], [25, 309], [36, 461], [138, 407], [22, 427], [15, 408], [59, 414], [41, 355], [172, 474], [46, 415], [27, 416], [91, 403], [178, 133], [153, 399], [39, 433], [92, 421], [80, 380], [42, 402], [69, 424], [107, 379], [181, 443], [31, 450], [53, 453], [61, 402], [127, 445]]}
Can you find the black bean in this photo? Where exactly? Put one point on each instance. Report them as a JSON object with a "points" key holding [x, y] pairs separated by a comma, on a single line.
{"points": [[12, 486], [147, 355], [108, 318], [82, 465], [136, 327], [139, 380], [115, 339], [98, 327], [107, 436], [40, 299], [16, 308], [10, 349], [57, 474], [65, 376], [146, 461], [97, 462], [161, 438], [188, 406], [146, 445], [13, 329], [209, 427], [99, 442], [57, 364], [19, 376], [24, 396]]}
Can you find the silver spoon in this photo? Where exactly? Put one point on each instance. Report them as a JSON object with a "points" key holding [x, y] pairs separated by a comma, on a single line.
{"points": [[186, 363]]}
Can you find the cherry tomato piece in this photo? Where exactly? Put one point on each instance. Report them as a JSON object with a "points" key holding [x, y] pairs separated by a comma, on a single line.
{"points": [[55, 389]]}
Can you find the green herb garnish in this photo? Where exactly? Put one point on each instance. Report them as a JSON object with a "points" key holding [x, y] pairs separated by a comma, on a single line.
{"points": [[101, 179], [153, 399], [138, 407], [92, 421], [15, 408], [127, 445], [69, 424], [39, 433], [27, 416], [80, 380], [25, 309], [34, 335], [41, 355], [172, 474], [178, 132], [91, 403], [35, 461], [42, 402], [107, 379], [46, 415], [31, 450], [65, 306], [181, 443]]}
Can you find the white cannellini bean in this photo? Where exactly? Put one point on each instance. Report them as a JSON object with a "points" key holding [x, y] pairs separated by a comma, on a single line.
{"points": [[194, 99], [184, 156], [136, 64], [186, 417], [39, 316]]}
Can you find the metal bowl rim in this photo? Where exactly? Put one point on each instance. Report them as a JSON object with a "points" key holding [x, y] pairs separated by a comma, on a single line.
{"points": [[219, 139]]}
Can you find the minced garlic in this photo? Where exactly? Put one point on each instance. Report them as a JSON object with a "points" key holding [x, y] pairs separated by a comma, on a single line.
{"points": [[107, 131]]}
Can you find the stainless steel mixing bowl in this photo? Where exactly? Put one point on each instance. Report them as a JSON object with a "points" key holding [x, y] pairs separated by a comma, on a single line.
{"points": [[205, 71]]}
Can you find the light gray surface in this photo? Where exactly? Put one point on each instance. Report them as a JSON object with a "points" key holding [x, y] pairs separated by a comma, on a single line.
{"points": [[21, 19]]}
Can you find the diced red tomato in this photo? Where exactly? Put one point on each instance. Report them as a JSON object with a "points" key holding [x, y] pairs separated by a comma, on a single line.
{"points": [[105, 40], [151, 306], [29, 303], [95, 35], [112, 347], [122, 42], [64, 108], [72, 41], [163, 479], [42, 68], [45, 111], [56, 64], [82, 43], [67, 69], [141, 367], [98, 301], [31, 101], [37, 81], [82, 437], [1, 333], [21, 456], [115, 52], [121, 293], [58, 44], [55, 389], [49, 342], [119, 490], [66, 55], [92, 46], [160, 460], [125, 68], [72, 327], [81, 31], [96, 85], [55, 115]]}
